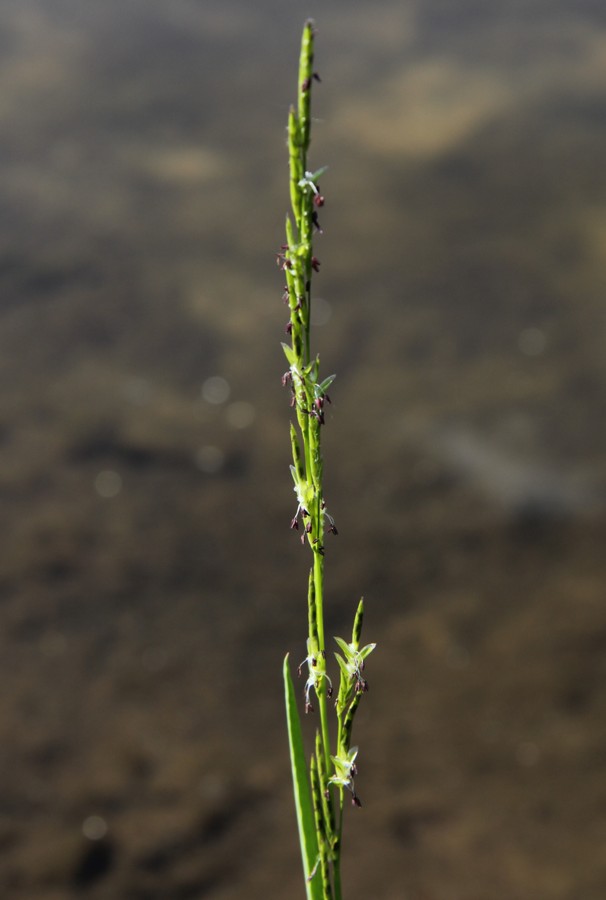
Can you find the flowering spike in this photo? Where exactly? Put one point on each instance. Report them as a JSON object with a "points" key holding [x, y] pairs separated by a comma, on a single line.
{"points": [[330, 774], [305, 78], [356, 633]]}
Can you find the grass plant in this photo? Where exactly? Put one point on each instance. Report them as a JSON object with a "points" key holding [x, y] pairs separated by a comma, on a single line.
{"points": [[321, 785]]}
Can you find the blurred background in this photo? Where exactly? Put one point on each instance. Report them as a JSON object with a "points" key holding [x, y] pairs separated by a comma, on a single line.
{"points": [[149, 583]]}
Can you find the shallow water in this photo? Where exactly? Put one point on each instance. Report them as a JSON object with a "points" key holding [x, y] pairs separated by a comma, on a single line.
{"points": [[150, 584]]}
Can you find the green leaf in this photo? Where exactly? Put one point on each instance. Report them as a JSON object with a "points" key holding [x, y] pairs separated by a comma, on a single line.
{"points": [[313, 176], [343, 666], [289, 354], [305, 818], [366, 651], [322, 388], [346, 648]]}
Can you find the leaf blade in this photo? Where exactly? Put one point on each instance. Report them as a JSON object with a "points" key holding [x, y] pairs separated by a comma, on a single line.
{"points": [[305, 818]]}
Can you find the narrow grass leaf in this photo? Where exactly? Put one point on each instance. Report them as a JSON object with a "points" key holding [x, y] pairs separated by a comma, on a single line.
{"points": [[305, 817]]}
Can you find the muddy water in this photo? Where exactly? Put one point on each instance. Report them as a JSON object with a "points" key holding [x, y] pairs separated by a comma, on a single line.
{"points": [[149, 582]]}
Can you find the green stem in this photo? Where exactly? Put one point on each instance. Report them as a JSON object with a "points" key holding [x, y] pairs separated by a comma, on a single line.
{"points": [[319, 601], [337, 861]]}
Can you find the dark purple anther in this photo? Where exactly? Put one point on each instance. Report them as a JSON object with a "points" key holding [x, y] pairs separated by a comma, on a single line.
{"points": [[295, 524], [307, 83], [315, 264], [318, 410], [282, 261], [288, 328], [316, 222], [319, 200], [332, 528]]}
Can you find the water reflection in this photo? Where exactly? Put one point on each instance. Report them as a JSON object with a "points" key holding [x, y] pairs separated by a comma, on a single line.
{"points": [[94, 828], [215, 390], [240, 414], [532, 341], [108, 484]]}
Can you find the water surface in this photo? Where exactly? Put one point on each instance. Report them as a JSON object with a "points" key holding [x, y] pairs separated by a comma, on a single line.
{"points": [[150, 584]]}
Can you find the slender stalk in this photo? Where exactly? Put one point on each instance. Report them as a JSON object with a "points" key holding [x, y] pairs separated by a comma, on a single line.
{"points": [[319, 803]]}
